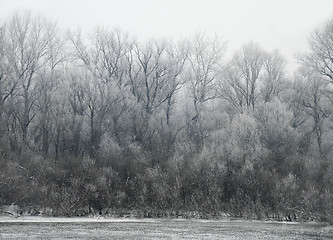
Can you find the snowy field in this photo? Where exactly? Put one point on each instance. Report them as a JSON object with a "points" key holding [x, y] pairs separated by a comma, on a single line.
{"points": [[101, 228]]}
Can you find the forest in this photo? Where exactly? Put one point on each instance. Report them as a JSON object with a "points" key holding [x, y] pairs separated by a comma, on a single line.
{"points": [[101, 123]]}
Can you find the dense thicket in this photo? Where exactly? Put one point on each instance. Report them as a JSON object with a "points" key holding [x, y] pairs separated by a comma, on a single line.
{"points": [[105, 122]]}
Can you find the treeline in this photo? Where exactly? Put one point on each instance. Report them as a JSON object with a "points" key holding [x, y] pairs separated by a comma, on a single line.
{"points": [[102, 121]]}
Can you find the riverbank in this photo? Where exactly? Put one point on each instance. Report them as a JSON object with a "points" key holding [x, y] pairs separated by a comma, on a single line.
{"points": [[108, 219], [14, 212]]}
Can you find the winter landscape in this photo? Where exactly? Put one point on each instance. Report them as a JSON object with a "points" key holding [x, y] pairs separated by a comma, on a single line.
{"points": [[157, 125], [101, 228]]}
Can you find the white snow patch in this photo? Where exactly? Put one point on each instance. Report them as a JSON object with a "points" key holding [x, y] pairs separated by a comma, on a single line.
{"points": [[41, 219]]}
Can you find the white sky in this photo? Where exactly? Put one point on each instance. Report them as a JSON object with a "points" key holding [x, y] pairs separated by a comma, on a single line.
{"points": [[282, 24]]}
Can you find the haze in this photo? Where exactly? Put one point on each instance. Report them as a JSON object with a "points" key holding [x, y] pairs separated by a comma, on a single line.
{"points": [[285, 25]]}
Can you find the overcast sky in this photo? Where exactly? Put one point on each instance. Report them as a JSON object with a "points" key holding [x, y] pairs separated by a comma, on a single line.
{"points": [[282, 24]]}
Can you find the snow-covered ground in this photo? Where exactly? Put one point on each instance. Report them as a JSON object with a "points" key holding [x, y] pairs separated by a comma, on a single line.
{"points": [[38, 227], [101, 219], [44, 219]]}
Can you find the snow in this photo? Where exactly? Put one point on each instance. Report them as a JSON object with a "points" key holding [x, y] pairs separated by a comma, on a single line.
{"points": [[42, 219]]}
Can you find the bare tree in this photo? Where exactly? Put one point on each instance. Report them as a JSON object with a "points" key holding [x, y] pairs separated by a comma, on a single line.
{"points": [[48, 83], [178, 57], [104, 54], [77, 98], [103, 60], [241, 85], [27, 51], [319, 75], [7, 83], [320, 58], [205, 69], [204, 73], [155, 76], [150, 75], [316, 106], [274, 77]]}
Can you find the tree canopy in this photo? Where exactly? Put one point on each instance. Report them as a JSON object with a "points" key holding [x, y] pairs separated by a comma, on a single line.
{"points": [[104, 122]]}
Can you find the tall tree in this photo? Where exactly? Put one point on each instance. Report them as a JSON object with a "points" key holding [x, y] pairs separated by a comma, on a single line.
{"points": [[318, 63], [204, 73], [241, 85], [320, 57], [274, 80], [7, 83], [103, 60], [48, 82], [27, 51], [155, 76], [317, 107]]}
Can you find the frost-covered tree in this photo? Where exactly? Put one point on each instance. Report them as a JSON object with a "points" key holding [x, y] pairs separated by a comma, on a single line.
{"points": [[320, 56], [274, 79], [241, 81], [28, 50], [204, 72]]}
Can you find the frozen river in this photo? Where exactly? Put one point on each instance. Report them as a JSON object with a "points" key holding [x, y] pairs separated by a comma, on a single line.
{"points": [[93, 228]]}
